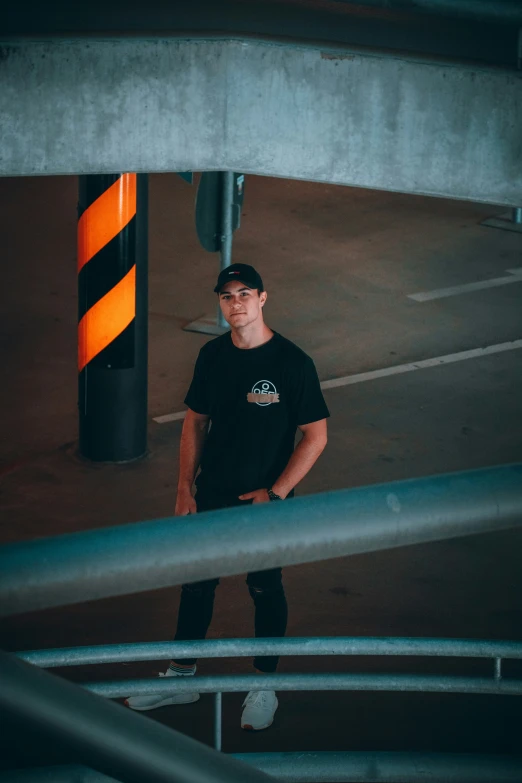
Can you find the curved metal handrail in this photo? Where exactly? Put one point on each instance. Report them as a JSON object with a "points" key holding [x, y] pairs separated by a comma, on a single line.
{"points": [[232, 648], [143, 556]]}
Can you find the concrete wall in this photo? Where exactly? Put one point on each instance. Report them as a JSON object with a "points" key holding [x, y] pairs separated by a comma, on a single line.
{"points": [[358, 118]]}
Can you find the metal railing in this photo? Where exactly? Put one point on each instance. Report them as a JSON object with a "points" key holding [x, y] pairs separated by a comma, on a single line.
{"points": [[241, 648], [496, 651], [329, 767], [108, 737], [102, 563]]}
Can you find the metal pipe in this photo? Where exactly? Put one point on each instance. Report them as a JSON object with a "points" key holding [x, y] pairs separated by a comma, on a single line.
{"points": [[78, 567], [331, 767], [218, 720], [108, 737], [63, 773], [387, 767], [517, 215], [498, 668], [234, 683], [226, 233], [226, 236], [232, 648]]}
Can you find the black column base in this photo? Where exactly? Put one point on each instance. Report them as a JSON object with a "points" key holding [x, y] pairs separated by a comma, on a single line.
{"points": [[112, 427]]}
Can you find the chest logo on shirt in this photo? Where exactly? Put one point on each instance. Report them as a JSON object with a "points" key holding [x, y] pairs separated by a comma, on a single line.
{"points": [[263, 393]]}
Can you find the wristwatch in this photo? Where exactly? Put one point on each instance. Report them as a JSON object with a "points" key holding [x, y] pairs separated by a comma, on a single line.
{"points": [[272, 495]]}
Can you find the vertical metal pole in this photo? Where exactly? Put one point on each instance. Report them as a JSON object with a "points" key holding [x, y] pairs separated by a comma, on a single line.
{"points": [[112, 330], [217, 720], [498, 668], [226, 232], [517, 215]]}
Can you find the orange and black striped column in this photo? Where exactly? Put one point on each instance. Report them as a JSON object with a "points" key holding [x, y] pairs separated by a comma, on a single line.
{"points": [[112, 328]]}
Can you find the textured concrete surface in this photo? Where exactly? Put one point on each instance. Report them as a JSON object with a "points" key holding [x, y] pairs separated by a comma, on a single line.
{"points": [[339, 115], [339, 264]]}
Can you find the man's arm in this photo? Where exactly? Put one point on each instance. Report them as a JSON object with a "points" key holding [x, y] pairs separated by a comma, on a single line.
{"points": [[305, 455], [195, 428]]}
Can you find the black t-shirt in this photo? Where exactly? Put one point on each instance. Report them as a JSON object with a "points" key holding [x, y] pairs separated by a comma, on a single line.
{"points": [[255, 398]]}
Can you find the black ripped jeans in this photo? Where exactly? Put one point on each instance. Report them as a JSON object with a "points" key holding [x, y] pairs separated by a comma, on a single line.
{"points": [[265, 588]]}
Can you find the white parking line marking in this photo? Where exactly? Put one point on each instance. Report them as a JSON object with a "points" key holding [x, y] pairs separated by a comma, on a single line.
{"points": [[398, 369], [474, 353], [515, 276], [170, 417]]}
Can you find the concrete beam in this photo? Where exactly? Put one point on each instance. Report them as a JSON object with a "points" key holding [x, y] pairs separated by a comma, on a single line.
{"points": [[356, 118]]}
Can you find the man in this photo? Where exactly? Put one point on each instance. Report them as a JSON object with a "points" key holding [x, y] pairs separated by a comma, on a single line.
{"points": [[255, 388]]}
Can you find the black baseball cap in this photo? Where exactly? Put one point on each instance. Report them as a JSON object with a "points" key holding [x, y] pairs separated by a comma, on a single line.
{"points": [[243, 272]]}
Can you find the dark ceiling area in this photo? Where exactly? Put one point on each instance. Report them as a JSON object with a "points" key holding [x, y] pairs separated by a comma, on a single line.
{"points": [[477, 31]]}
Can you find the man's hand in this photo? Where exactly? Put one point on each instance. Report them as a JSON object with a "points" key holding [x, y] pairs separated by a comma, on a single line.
{"points": [[258, 496], [185, 503]]}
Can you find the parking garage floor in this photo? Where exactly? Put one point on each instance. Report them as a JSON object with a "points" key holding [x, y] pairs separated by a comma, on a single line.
{"points": [[340, 266]]}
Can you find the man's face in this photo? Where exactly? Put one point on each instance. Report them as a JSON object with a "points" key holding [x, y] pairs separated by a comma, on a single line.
{"points": [[241, 306]]}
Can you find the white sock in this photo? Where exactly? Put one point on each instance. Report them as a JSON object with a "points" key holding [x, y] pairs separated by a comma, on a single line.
{"points": [[183, 670]]}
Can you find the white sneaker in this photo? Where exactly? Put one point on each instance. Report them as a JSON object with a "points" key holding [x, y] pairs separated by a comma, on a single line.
{"points": [[153, 701], [259, 710]]}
